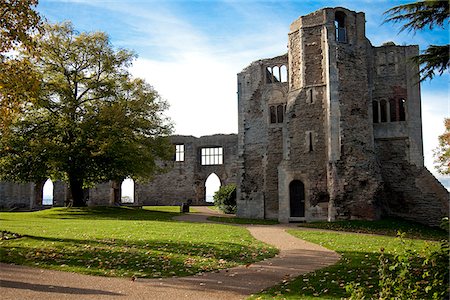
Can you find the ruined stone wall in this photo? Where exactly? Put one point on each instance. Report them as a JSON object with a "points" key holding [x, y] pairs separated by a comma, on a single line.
{"points": [[411, 192], [357, 173], [305, 139], [260, 139], [16, 195], [185, 180]]}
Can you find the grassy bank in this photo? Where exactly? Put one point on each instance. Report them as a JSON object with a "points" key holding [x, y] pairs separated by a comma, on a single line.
{"points": [[359, 263], [121, 241]]}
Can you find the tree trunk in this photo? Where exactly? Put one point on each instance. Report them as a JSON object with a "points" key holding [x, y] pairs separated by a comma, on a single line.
{"points": [[76, 189]]}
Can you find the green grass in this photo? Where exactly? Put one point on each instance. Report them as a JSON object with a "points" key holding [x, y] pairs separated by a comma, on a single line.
{"points": [[123, 241], [359, 263], [389, 227], [234, 220]]}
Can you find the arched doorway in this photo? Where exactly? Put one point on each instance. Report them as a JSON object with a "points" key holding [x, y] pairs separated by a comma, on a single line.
{"points": [[212, 185], [47, 193], [297, 198], [127, 189]]}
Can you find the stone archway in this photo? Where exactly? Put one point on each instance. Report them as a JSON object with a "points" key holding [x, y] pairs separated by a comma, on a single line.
{"points": [[212, 184]]}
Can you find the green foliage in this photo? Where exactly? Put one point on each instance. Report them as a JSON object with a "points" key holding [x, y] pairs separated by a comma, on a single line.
{"points": [[420, 15], [225, 198], [388, 226], [125, 242], [409, 275], [359, 263], [18, 81], [92, 122], [442, 152]]}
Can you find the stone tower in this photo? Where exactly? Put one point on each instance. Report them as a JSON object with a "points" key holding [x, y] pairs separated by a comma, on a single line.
{"points": [[333, 138]]}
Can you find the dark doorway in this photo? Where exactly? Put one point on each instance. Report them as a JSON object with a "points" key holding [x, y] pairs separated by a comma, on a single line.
{"points": [[297, 198]]}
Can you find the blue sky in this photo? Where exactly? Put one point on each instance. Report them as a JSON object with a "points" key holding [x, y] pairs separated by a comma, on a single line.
{"points": [[191, 51]]}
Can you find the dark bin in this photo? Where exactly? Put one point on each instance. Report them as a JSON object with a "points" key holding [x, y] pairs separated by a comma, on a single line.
{"points": [[184, 208]]}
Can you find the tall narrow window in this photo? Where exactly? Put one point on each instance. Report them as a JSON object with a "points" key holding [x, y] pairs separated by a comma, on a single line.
{"points": [[402, 109], [339, 22], [280, 113], [283, 73], [310, 138], [383, 111], [277, 113], [179, 152], [276, 74], [394, 111], [375, 111], [273, 114], [212, 156], [269, 75]]}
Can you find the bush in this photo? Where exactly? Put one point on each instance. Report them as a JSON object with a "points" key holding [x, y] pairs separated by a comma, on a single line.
{"points": [[225, 198], [410, 275]]}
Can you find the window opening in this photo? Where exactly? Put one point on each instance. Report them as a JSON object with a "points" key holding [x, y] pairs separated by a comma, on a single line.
{"points": [[283, 73], [127, 191], [212, 156], [310, 96], [179, 152], [375, 111], [339, 23], [280, 113], [276, 74], [310, 140], [277, 113], [47, 193], [383, 111], [273, 114], [402, 110], [269, 75], [212, 185]]}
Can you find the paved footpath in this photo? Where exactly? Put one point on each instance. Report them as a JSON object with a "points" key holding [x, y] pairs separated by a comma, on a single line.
{"points": [[296, 257]]}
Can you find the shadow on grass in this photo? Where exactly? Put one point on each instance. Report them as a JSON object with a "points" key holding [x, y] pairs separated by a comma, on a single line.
{"points": [[116, 257], [388, 227], [107, 213], [54, 289], [330, 282]]}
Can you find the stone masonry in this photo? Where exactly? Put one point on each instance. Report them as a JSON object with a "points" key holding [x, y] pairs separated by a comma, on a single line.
{"points": [[337, 137], [331, 130]]}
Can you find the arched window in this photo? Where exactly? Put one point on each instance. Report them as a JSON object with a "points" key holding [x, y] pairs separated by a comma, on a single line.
{"points": [[276, 74], [383, 111], [280, 113], [397, 109], [127, 189], [297, 198], [273, 115], [339, 23], [47, 194], [212, 185], [276, 113], [283, 73], [376, 113]]}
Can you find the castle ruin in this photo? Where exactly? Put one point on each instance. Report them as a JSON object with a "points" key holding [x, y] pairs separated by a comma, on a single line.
{"points": [[331, 130]]}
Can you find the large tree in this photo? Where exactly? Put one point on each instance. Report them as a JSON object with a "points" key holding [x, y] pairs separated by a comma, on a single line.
{"points": [[18, 82], [92, 121], [418, 16]]}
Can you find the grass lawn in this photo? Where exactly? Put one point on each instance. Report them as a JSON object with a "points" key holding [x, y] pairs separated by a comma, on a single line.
{"points": [[388, 227], [359, 263], [234, 220], [122, 241]]}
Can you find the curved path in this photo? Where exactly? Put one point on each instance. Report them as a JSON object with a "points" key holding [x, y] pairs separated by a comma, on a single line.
{"points": [[296, 257]]}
